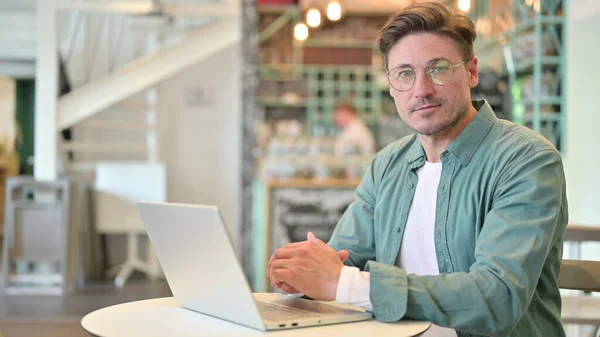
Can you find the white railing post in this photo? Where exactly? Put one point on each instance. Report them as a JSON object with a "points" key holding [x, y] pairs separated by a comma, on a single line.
{"points": [[46, 92]]}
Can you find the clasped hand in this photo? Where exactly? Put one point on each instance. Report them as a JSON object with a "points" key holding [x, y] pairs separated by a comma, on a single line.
{"points": [[310, 267]]}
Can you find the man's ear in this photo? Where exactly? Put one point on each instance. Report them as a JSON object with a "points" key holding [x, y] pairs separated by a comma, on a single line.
{"points": [[473, 71]]}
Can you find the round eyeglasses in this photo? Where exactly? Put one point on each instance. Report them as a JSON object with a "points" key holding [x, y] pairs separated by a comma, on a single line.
{"points": [[438, 72]]}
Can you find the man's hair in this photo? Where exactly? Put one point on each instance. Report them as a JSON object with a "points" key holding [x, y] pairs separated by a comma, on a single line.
{"points": [[428, 17], [345, 105]]}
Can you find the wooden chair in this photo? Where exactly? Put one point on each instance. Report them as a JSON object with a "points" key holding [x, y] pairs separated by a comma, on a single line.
{"points": [[582, 275]]}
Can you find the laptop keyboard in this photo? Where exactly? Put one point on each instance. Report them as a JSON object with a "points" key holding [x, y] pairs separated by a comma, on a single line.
{"points": [[295, 309], [277, 312]]}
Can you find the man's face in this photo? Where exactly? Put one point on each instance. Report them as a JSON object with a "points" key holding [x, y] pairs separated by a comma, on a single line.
{"points": [[427, 108]]}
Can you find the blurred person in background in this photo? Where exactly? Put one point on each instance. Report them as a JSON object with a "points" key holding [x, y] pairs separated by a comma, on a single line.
{"points": [[354, 135]]}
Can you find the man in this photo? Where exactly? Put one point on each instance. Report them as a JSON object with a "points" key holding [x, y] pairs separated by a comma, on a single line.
{"points": [[355, 134], [460, 224]]}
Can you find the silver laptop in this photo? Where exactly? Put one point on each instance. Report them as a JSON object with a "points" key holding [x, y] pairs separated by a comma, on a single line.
{"points": [[200, 264]]}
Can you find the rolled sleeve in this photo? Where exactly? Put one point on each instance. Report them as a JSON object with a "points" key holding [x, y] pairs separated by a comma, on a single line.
{"points": [[389, 291]]}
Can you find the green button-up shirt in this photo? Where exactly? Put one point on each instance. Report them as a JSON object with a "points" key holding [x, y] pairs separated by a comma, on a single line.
{"points": [[499, 221]]}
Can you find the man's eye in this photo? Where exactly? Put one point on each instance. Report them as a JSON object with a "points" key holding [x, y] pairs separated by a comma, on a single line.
{"points": [[403, 73], [440, 69]]}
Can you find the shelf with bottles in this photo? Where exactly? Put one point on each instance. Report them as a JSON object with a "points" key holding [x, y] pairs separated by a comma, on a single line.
{"points": [[527, 12], [535, 67], [287, 152], [550, 126], [550, 22], [280, 72], [546, 20], [544, 100], [525, 115], [544, 116], [310, 159], [540, 97], [283, 101], [542, 112], [281, 89], [527, 65], [545, 90], [529, 50], [536, 36]]}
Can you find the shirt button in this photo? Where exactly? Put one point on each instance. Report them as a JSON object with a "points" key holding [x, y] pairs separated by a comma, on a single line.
{"points": [[411, 185], [398, 229], [443, 187]]}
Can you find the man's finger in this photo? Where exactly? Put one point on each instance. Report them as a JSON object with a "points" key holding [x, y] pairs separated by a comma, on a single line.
{"points": [[269, 264], [275, 284], [344, 255], [288, 253], [279, 251], [312, 238], [295, 244], [288, 289], [282, 275], [283, 254], [271, 261], [281, 264]]}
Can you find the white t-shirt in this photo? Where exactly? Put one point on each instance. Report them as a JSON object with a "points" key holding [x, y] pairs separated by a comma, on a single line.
{"points": [[355, 134], [417, 253]]}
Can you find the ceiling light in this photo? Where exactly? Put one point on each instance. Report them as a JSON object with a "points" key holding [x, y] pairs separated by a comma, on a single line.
{"points": [[301, 32], [334, 11], [313, 18], [464, 5]]}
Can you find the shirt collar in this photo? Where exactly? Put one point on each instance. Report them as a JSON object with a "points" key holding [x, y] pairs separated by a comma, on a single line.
{"points": [[467, 142], [415, 152]]}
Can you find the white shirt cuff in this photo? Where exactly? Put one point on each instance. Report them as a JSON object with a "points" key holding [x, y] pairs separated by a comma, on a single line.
{"points": [[354, 287]]}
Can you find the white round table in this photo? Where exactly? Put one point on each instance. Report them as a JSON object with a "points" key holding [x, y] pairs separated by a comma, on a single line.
{"points": [[163, 317]]}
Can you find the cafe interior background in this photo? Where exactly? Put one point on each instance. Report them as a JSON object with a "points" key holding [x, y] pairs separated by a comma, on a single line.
{"points": [[229, 103]]}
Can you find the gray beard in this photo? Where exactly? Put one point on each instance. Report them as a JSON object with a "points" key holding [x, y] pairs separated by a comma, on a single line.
{"points": [[445, 128]]}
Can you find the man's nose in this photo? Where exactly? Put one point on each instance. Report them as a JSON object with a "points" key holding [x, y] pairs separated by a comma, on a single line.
{"points": [[423, 86]]}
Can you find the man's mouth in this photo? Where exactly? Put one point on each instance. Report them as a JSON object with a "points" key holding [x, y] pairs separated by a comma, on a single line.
{"points": [[426, 107]]}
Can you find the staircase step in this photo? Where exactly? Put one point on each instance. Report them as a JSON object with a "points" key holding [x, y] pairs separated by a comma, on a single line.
{"points": [[82, 167], [112, 125], [106, 147], [132, 104]]}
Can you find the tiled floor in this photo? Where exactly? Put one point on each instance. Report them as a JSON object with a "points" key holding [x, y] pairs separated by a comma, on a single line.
{"points": [[52, 316]]}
